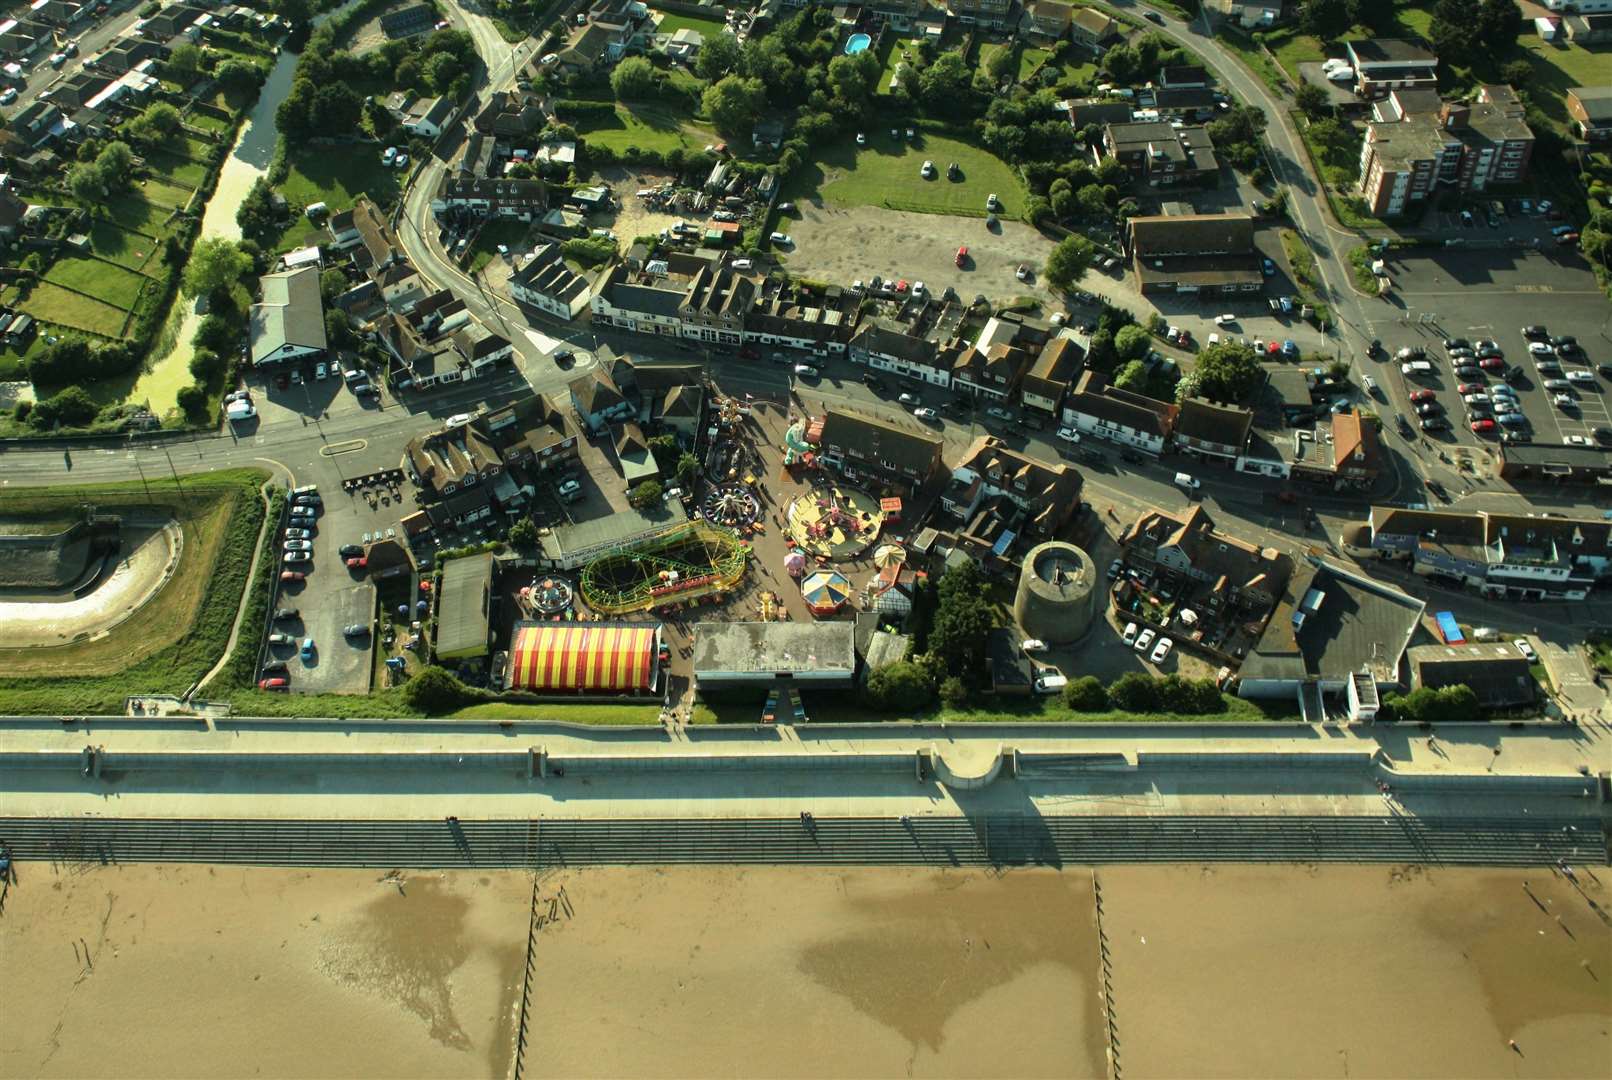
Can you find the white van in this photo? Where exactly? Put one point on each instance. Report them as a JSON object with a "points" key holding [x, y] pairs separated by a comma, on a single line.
{"points": [[240, 410], [1187, 482]]}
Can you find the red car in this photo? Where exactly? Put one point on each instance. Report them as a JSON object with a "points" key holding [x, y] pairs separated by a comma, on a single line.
{"points": [[1272, 348], [293, 575], [1471, 388], [962, 256], [1419, 396], [273, 684], [357, 562], [1492, 363], [1482, 426], [901, 286]]}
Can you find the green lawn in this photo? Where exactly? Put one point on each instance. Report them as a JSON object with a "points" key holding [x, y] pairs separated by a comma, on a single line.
{"points": [[335, 179], [161, 193], [1558, 66], [135, 213], [513, 234], [121, 246], [893, 54], [11, 361], [203, 121], [1072, 70], [671, 23], [884, 173], [645, 126], [49, 303], [1030, 59], [100, 279], [177, 169]]}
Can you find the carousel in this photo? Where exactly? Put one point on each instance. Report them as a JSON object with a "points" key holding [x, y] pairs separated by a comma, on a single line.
{"points": [[548, 597], [834, 522], [825, 592]]}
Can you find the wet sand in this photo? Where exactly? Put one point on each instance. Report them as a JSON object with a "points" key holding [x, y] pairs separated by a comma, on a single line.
{"points": [[1217, 971], [186, 971]]}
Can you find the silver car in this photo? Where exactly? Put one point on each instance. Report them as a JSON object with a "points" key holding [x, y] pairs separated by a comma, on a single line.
{"points": [[299, 545]]}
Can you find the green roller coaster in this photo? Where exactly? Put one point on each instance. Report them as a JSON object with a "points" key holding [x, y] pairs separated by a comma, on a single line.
{"points": [[683, 563]]}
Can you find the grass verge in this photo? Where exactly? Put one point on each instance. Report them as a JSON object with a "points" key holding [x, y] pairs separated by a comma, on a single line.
{"points": [[241, 671], [1360, 264], [180, 633]]}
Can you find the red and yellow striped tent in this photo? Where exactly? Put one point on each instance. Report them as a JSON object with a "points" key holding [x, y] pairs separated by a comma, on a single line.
{"points": [[583, 656]]}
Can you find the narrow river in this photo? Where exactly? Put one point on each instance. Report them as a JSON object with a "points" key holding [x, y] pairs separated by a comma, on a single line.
{"points": [[249, 159]]}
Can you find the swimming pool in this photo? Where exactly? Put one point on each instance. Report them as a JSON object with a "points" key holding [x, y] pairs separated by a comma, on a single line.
{"points": [[857, 43]]}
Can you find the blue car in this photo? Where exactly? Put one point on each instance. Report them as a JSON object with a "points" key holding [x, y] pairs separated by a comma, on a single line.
{"points": [[1290, 348], [307, 648], [1270, 268]]}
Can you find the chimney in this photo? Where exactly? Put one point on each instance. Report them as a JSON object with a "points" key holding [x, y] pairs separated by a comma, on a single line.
{"points": [[1453, 117]]}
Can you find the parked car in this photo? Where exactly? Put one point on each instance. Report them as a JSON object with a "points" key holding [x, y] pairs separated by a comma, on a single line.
{"points": [[1527, 650], [1418, 396], [289, 576], [286, 613], [1113, 572], [273, 666], [299, 534], [1130, 628], [782, 239], [1069, 434], [961, 258], [1161, 650], [929, 415], [355, 629], [1539, 348], [1050, 684], [1143, 640], [927, 171], [805, 371], [274, 684], [1435, 423], [306, 652], [357, 562], [298, 545], [278, 638], [297, 557], [908, 399], [1532, 332], [1187, 482], [1033, 645], [1579, 375], [1483, 426]]}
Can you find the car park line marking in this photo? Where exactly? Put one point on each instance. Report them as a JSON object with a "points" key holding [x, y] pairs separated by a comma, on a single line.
{"points": [[348, 447]]}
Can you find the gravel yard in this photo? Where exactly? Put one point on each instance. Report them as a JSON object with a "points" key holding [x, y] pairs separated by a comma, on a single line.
{"points": [[844, 245]]}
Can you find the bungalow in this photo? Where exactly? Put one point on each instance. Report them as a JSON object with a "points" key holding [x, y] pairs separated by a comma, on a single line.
{"points": [[543, 280], [1102, 411], [864, 446], [169, 21], [289, 323], [1184, 77], [59, 12], [426, 117]]}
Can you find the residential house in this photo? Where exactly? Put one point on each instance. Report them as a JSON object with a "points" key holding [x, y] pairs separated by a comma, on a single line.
{"points": [[1249, 14], [533, 433], [288, 324], [1343, 454], [598, 401], [1419, 143], [409, 21], [1212, 431], [501, 197], [366, 229], [1590, 108], [886, 345], [643, 304], [593, 48], [1186, 103], [1004, 497], [59, 12], [427, 117], [991, 14], [994, 365], [716, 303], [412, 357], [480, 348], [1047, 19], [447, 461], [1161, 154], [78, 89], [1587, 7], [543, 280], [1225, 580], [865, 447], [1585, 30], [633, 457], [169, 21], [683, 45], [128, 53], [1048, 379], [20, 37], [1096, 409], [801, 317], [476, 158], [510, 114], [12, 210], [1206, 254], [36, 122], [1184, 77], [1094, 29], [680, 409], [1384, 64]]}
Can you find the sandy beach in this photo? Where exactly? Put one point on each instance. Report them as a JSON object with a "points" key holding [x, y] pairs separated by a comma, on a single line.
{"points": [[1246, 971]]}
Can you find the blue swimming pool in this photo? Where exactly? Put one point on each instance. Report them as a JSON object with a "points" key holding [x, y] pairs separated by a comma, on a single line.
{"points": [[857, 43]]}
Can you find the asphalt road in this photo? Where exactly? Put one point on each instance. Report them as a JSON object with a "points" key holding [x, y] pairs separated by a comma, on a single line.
{"points": [[91, 41]]}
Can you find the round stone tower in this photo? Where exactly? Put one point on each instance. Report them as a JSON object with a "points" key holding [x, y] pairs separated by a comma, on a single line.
{"points": [[1057, 595]]}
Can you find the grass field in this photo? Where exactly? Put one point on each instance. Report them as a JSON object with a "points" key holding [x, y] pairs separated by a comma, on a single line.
{"points": [[54, 304], [671, 23], [183, 629], [884, 173], [336, 179], [179, 170], [130, 250], [135, 213], [164, 194], [11, 360], [647, 127], [103, 280]]}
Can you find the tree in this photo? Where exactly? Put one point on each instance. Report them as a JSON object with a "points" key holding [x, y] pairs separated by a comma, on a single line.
{"points": [[1312, 100], [634, 79], [191, 400], [1132, 342], [258, 216], [295, 12], [1093, 201], [1132, 377], [1498, 24], [1134, 692], [84, 181], [239, 75], [158, 123], [523, 533], [734, 103], [1453, 31], [1100, 352], [1110, 171], [946, 87], [962, 621], [718, 56], [442, 69], [332, 283], [900, 686], [664, 449], [1086, 694], [116, 165], [434, 691], [1003, 62], [339, 329], [1325, 19], [649, 493], [854, 78], [206, 365], [186, 62], [688, 467], [1069, 261], [55, 364], [1122, 64], [72, 406], [954, 692], [1425, 705], [1228, 371], [215, 263]]}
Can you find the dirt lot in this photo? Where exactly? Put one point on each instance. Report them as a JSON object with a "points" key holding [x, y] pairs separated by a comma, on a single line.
{"points": [[635, 218], [844, 245]]}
